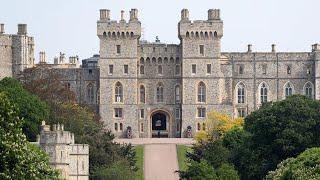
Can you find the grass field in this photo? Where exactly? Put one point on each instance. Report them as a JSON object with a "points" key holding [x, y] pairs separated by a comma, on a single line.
{"points": [[181, 153], [139, 163]]}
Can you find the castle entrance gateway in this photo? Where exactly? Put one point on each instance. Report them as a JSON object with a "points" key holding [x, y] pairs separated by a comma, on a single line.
{"points": [[160, 124]]}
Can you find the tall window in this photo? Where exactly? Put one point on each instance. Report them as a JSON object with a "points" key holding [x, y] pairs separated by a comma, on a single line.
{"points": [[110, 69], [263, 93], [241, 69], [178, 113], [208, 68], [118, 49], [159, 69], [308, 91], [116, 126], [264, 69], [141, 113], [177, 69], [288, 69], [241, 93], [90, 93], [160, 92], [142, 94], [118, 92], [201, 49], [288, 89], [177, 93], [141, 69], [125, 69], [193, 69], [241, 112], [201, 92]]}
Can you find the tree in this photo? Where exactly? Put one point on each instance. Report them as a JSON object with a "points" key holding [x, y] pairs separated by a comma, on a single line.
{"points": [[305, 166], [199, 171], [119, 170], [29, 107], [280, 130], [18, 158]]}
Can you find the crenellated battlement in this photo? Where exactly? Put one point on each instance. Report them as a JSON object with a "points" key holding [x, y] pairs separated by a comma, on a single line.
{"points": [[55, 136], [121, 29]]}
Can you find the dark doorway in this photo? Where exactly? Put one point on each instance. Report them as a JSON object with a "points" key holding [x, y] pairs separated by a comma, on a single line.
{"points": [[159, 122]]}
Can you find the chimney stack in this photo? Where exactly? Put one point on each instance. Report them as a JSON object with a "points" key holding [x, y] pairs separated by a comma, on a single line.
{"points": [[213, 14], [122, 15], [249, 48], [1, 28], [184, 15], [134, 15], [104, 14], [273, 48]]}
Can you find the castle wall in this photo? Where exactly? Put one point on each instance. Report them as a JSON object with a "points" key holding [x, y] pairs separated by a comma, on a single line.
{"points": [[5, 56]]}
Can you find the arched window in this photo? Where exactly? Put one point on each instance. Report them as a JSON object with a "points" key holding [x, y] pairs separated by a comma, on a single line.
{"points": [[215, 34], [187, 34], [159, 69], [201, 92], [241, 93], [198, 126], [141, 69], [288, 90], [160, 92], [308, 90], [142, 94], [177, 93], [90, 93], [263, 93], [118, 92]]}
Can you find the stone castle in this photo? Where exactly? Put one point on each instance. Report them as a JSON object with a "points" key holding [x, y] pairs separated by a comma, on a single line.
{"points": [[72, 160], [155, 89]]}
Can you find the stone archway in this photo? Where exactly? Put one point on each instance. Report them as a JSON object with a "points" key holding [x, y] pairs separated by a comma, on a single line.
{"points": [[160, 124]]}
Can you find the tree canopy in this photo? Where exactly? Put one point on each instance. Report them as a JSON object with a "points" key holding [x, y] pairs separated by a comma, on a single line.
{"points": [[18, 158]]}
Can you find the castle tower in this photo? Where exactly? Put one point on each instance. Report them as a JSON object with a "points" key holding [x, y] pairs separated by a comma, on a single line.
{"points": [[5, 53], [22, 50], [118, 70], [201, 71], [316, 51]]}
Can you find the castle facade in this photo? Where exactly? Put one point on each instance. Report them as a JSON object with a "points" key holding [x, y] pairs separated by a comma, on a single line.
{"points": [[157, 89]]}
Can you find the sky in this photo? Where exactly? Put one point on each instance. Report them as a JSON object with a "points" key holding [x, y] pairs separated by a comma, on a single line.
{"points": [[69, 26]]}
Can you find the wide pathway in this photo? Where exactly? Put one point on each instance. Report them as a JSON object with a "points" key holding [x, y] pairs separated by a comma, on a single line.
{"points": [[160, 162], [141, 141]]}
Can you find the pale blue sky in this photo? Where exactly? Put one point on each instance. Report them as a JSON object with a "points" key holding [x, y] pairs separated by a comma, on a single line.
{"points": [[70, 25]]}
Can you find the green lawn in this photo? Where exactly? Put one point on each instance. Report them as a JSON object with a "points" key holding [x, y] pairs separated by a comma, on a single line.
{"points": [[181, 153], [139, 163]]}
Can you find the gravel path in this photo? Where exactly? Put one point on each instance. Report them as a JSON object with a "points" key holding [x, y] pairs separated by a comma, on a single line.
{"points": [[160, 162]]}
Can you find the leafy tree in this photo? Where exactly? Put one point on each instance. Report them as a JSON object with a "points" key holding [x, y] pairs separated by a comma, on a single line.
{"points": [[227, 172], [18, 158], [199, 171], [119, 170], [280, 130], [305, 166], [29, 107]]}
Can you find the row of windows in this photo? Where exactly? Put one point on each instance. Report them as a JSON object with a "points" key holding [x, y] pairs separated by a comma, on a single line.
{"points": [[141, 69], [201, 113], [264, 90], [264, 69], [141, 127], [194, 69], [165, 59]]}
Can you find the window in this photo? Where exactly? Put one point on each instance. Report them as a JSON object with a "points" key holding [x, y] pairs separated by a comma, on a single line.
{"points": [[201, 92], [194, 69], [118, 49], [178, 127], [263, 93], [121, 127], [308, 91], [241, 112], [177, 69], [90, 71], [241, 93], [198, 126], [201, 112], [118, 92], [241, 69], [153, 49], [203, 126], [201, 50], [208, 68], [288, 89], [178, 113], [264, 69], [160, 92], [110, 69], [308, 70], [90, 94], [159, 69], [141, 69], [116, 126], [141, 113], [142, 94], [118, 112], [125, 69], [177, 93], [288, 69], [141, 127]]}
